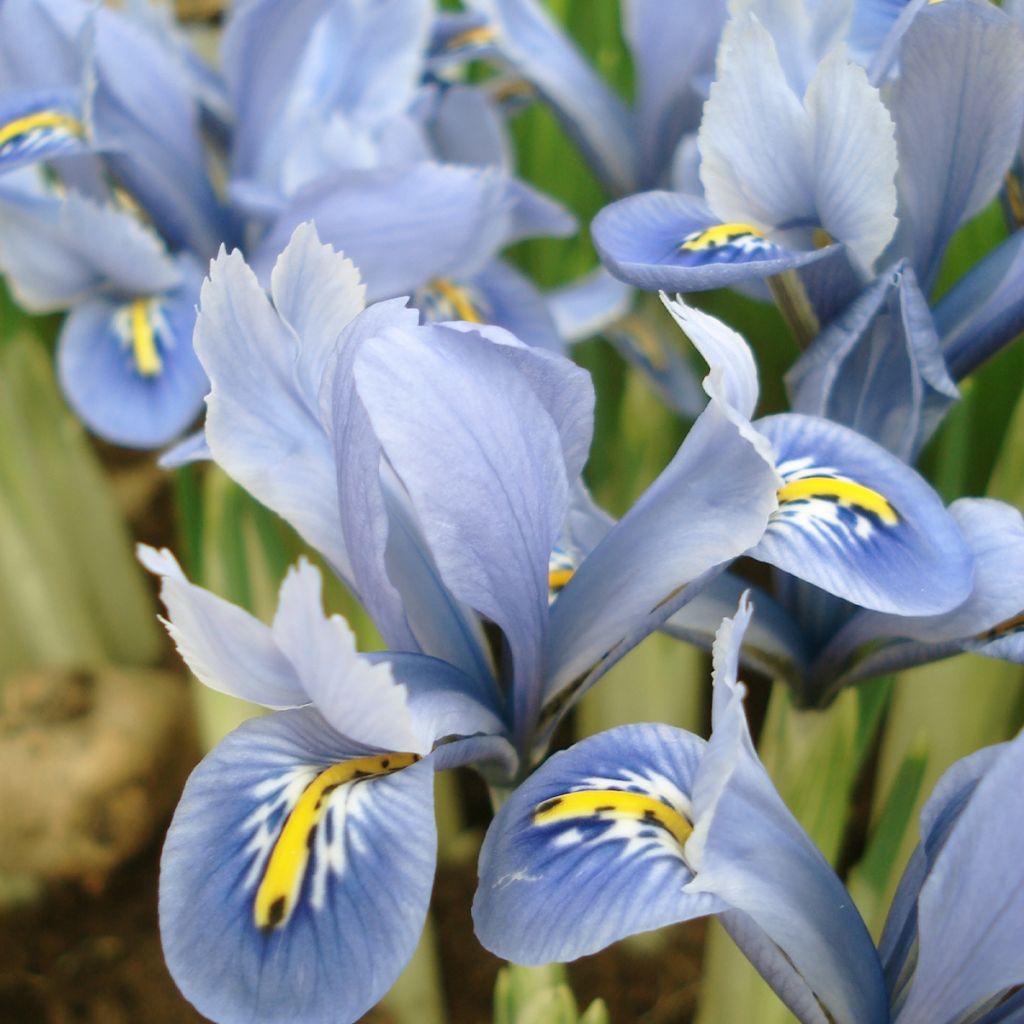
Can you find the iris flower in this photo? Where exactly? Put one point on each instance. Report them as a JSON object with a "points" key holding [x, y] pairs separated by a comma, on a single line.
{"points": [[646, 825]]}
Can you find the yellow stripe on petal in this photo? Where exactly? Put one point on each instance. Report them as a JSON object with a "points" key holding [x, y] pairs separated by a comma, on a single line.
{"points": [[613, 805], [286, 866], [1010, 625], [719, 235], [477, 36], [44, 121], [846, 493], [143, 338], [459, 300]]}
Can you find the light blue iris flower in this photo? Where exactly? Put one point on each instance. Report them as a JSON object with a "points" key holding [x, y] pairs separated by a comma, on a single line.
{"points": [[877, 378], [106, 209], [340, 120], [804, 161], [647, 825], [436, 467]]}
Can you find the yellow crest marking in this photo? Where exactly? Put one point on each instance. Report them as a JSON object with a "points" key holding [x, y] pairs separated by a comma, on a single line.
{"points": [[286, 866], [613, 805], [472, 37], [459, 299], [557, 578], [1009, 625], [718, 235], [143, 338], [844, 492], [44, 119]]}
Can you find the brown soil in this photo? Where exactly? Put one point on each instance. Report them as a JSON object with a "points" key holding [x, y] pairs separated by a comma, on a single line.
{"points": [[94, 958]]}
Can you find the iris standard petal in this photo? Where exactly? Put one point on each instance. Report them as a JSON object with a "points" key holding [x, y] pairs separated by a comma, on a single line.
{"points": [[589, 849], [482, 462], [128, 369], [261, 425], [749, 851], [673, 53], [401, 226], [958, 107], [971, 906], [228, 649], [671, 242], [857, 522], [529, 40], [878, 367], [296, 874]]}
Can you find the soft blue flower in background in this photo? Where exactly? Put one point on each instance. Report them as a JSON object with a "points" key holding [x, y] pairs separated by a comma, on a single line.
{"points": [[106, 209], [781, 198], [646, 825]]}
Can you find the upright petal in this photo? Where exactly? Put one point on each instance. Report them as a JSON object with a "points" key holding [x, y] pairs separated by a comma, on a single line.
{"points": [[528, 39], [296, 874], [878, 367], [971, 906], [482, 462], [749, 851], [958, 106]]}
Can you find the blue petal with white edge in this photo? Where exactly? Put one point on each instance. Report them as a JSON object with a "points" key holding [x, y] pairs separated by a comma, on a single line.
{"points": [[296, 874], [666, 241], [590, 848], [128, 369], [958, 108], [878, 367], [593, 116], [970, 910], [227, 648], [39, 126], [749, 851], [857, 522]]}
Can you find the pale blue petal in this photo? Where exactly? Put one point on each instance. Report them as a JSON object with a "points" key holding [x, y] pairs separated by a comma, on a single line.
{"points": [[362, 895], [262, 425], [529, 40], [707, 506], [756, 140], [855, 158], [57, 251], [748, 850], [467, 128], [673, 52], [878, 368], [666, 241], [984, 310], [227, 648], [360, 700], [192, 448], [588, 305], [556, 891], [482, 462], [120, 392], [865, 527], [971, 906], [402, 227], [958, 105]]}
